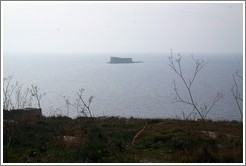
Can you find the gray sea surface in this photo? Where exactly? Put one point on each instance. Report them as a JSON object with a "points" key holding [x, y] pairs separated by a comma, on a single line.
{"points": [[143, 90]]}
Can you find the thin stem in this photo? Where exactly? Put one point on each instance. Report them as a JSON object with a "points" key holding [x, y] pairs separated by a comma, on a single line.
{"points": [[199, 64]]}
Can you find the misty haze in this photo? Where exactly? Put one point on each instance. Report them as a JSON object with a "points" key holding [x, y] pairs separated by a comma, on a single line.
{"points": [[167, 75]]}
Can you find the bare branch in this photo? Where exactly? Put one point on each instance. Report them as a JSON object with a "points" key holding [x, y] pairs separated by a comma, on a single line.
{"points": [[87, 106], [207, 110], [36, 94], [16, 96], [235, 93], [179, 98], [199, 64]]}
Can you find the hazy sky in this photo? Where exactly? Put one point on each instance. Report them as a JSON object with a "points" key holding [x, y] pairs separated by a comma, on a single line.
{"points": [[122, 27]]}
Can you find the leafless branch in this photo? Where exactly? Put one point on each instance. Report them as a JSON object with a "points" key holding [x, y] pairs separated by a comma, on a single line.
{"points": [[206, 110], [236, 94], [15, 95], [82, 107], [199, 65], [35, 92], [178, 97]]}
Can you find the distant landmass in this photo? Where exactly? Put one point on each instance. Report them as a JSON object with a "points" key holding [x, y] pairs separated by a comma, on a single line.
{"points": [[122, 60]]}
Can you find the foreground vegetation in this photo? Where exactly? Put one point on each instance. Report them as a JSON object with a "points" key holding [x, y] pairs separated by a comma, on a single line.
{"points": [[115, 139]]}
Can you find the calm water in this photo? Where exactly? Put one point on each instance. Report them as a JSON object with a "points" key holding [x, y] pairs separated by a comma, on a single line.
{"points": [[138, 90]]}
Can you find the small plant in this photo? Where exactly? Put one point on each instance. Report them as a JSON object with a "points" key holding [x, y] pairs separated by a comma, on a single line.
{"points": [[23, 97], [176, 66], [16, 96], [82, 107], [236, 94], [35, 92], [8, 90], [84, 104]]}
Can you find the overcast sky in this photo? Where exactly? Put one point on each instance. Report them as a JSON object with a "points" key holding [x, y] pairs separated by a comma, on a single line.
{"points": [[122, 27]]}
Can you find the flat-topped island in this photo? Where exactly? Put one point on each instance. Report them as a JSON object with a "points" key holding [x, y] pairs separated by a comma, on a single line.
{"points": [[122, 60]]}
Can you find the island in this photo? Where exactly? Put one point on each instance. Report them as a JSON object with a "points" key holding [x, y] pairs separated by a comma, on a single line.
{"points": [[122, 60]]}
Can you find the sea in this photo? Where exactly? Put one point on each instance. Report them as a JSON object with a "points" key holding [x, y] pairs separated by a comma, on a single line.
{"points": [[140, 90]]}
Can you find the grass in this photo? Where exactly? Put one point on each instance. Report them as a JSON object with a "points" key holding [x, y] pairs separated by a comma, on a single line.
{"points": [[109, 140]]}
